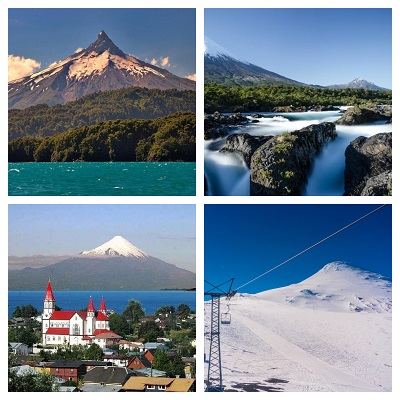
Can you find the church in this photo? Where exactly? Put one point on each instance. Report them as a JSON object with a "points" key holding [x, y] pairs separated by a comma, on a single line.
{"points": [[75, 327]]}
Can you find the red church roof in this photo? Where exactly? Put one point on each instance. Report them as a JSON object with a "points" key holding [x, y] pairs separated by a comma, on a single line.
{"points": [[62, 315], [57, 331], [49, 293], [91, 305], [103, 307], [102, 317]]}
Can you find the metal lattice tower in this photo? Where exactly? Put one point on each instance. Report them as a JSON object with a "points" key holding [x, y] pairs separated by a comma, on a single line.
{"points": [[214, 378]]}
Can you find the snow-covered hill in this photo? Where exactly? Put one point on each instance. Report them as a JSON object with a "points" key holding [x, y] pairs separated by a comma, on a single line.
{"points": [[117, 246], [337, 287], [331, 332]]}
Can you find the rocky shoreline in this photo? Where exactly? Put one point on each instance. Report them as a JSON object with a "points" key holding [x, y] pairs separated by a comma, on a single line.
{"points": [[280, 165]]}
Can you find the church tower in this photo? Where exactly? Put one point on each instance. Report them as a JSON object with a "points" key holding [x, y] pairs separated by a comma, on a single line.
{"points": [[49, 306], [90, 318], [103, 307]]}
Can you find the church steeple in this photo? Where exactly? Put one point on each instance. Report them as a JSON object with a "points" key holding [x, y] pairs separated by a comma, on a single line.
{"points": [[90, 309], [103, 307], [49, 299], [49, 306]]}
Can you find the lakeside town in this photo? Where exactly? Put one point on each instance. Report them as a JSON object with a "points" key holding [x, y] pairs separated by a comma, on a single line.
{"points": [[98, 350]]}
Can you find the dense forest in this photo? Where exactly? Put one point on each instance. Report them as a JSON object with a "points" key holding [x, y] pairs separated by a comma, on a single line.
{"points": [[43, 120], [265, 98], [170, 138]]}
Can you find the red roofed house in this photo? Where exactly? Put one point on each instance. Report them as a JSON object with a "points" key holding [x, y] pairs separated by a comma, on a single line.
{"points": [[74, 327]]}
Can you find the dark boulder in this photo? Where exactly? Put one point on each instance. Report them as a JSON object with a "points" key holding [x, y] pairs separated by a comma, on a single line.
{"points": [[380, 185], [216, 125], [288, 109], [280, 167], [361, 115], [244, 144], [368, 158]]}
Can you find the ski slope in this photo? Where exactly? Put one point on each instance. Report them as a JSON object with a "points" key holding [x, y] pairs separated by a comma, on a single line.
{"points": [[321, 346]]}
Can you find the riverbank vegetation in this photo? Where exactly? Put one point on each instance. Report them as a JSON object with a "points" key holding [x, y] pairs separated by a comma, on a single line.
{"points": [[265, 98]]}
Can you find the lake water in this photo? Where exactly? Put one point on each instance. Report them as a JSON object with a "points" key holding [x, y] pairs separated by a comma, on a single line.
{"points": [[102, 179], [228, 175], [115, 300]]}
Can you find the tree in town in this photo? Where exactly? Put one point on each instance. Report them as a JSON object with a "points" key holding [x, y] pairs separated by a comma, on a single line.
{"points": [[94, 352]]}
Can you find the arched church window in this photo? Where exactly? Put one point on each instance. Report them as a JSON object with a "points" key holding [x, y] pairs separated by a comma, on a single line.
{"points": [[75, 329]]}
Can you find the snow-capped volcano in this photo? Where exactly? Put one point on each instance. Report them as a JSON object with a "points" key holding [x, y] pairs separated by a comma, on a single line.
{"points": [[214, 50], [222, 66], [117, 246], [338, 286], [359, 83], [101, 66]]}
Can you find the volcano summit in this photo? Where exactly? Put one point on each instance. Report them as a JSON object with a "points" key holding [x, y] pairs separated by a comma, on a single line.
{"points": [[114, 265], [101, 66]]}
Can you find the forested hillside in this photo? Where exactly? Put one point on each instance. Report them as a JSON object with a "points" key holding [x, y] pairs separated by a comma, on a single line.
{"points": [[265, 98], [43, 120], [170, 138]]}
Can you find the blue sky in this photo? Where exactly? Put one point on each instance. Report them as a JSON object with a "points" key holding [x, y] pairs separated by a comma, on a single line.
{"points": [[244, 241], [310, 45], [167, 232], [45, 35]]}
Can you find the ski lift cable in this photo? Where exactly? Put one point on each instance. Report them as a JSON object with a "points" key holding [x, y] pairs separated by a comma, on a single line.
{"points": [[314, 245]]}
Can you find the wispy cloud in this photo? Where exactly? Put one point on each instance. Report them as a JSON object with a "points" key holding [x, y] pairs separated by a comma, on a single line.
{"points": [[161, 62], [18, 67], [192, 77], [164, 61]]}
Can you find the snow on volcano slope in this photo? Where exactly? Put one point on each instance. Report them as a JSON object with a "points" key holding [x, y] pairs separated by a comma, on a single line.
{"points": [[337, 287], [117, 246], [300, 345]]}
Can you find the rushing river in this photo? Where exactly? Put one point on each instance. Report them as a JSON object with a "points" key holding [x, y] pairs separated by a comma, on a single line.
{"points": [[228, 175]]}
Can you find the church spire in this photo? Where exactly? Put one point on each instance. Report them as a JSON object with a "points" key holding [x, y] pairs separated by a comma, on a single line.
{"points": [[49, 296], [103, 307], [91, 305]]}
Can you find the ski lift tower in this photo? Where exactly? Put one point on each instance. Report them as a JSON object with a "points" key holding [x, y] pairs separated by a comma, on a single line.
{"points": [[214, 378]]}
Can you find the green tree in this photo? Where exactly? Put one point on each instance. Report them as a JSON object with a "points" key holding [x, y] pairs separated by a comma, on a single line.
{"points": [[177, 366], [119, 325], [25, 311], [94, 352], [161, 360], [133, 313], [149, 331], [184, 309]]}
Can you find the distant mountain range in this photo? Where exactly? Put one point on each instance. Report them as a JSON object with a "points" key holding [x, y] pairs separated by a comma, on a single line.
{"points": [[114, 265], [222, 67], [101, 66]]}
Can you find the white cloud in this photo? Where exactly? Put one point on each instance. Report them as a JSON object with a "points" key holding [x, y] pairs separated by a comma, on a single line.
{"points": [[192, 77], [161, 62], [165, 61], [78, 49], [18, 67]]}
